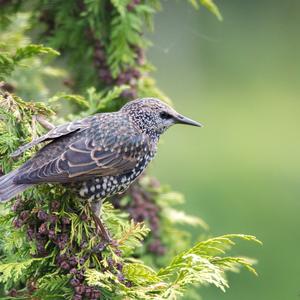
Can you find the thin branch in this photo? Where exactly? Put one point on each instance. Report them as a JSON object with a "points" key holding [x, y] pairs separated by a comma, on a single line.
{"points": [[46, 124]]}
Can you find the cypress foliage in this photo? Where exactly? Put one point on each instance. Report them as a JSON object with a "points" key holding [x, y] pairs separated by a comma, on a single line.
{"points": [[48, 245]]}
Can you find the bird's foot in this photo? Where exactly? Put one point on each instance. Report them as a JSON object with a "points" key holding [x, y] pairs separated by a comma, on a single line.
{"points": [[103, 232]]}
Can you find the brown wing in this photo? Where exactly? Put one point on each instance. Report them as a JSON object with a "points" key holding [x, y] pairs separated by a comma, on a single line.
{"points": [[56, 132], [84, 158]]}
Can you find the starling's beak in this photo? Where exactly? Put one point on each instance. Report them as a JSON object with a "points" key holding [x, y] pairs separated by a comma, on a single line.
{"points": [[184, 120]]}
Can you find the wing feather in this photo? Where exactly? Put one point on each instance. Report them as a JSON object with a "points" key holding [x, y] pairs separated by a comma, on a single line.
{"points": [[81, 159], [54, 133]]}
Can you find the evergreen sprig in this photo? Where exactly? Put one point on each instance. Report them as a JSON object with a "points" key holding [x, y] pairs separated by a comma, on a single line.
{"points": [[8, 61]]}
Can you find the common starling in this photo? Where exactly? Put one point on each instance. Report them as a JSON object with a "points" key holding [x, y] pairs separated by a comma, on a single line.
{"points": [[104, 153]]}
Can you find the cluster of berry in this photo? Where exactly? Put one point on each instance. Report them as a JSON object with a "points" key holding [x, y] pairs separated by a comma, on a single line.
{"points": [[129, 76], [47, 17], [41, 226], [142, 208], [49, 230], [72, 265]]}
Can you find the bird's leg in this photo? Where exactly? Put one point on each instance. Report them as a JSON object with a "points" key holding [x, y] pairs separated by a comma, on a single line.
{"points": [[96, 209]]}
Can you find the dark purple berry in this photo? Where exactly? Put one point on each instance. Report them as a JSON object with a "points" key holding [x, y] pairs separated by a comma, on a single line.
{"points": [[75, 282], [61, 245], [136, 73], [73, 271], [30, 233], [80, 276], [82, 260], [53, 219], [60, 258], [120, 266], [62, 241], [77, 297], [43, 228], [42, 215], [103, 73], [156, 247], [88, 292], [51, 234], [65, 221], [24, 215], [99, 54], [100, 247], [121, 277], [121, 79], [84, 217], [17, 223], [96, 295], [13, 293], [64, 237], [55, 205], [80, 289], [40, 247], [73, 261], [64, 265]]}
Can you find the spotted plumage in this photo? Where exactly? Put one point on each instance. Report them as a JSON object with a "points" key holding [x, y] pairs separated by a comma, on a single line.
{"points": [[103, 153]]}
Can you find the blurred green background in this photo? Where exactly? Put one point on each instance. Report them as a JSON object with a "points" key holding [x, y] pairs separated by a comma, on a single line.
{"points": [[241, 172]]}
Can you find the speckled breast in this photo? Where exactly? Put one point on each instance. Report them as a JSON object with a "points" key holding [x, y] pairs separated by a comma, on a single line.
{"points": [[102, 187]]}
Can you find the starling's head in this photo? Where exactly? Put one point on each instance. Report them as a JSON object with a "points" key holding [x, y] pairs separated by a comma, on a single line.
{"points": [[154, 116]]}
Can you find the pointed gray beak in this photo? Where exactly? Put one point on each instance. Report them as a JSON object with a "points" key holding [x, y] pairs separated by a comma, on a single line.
{"points": [[184, 120]]}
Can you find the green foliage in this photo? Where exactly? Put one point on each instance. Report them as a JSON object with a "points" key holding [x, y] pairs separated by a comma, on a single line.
{"points": [[8, 62], [194, 266], [212, 7], [53, 286], [13, 271], [35, 72], [125, 32], [140, 274], [131, 236]]}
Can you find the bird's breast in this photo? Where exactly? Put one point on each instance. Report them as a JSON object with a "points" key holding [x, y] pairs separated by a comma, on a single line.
{"points": [[105, 186]]}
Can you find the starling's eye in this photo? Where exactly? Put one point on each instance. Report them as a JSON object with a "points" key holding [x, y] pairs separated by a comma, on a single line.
{"points": [[164, 115]]}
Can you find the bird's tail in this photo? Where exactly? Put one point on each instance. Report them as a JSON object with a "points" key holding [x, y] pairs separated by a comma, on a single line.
{"points": [[9, 189]]}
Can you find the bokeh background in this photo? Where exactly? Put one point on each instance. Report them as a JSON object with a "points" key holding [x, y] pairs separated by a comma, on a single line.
{"points": [[241, 172]]}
